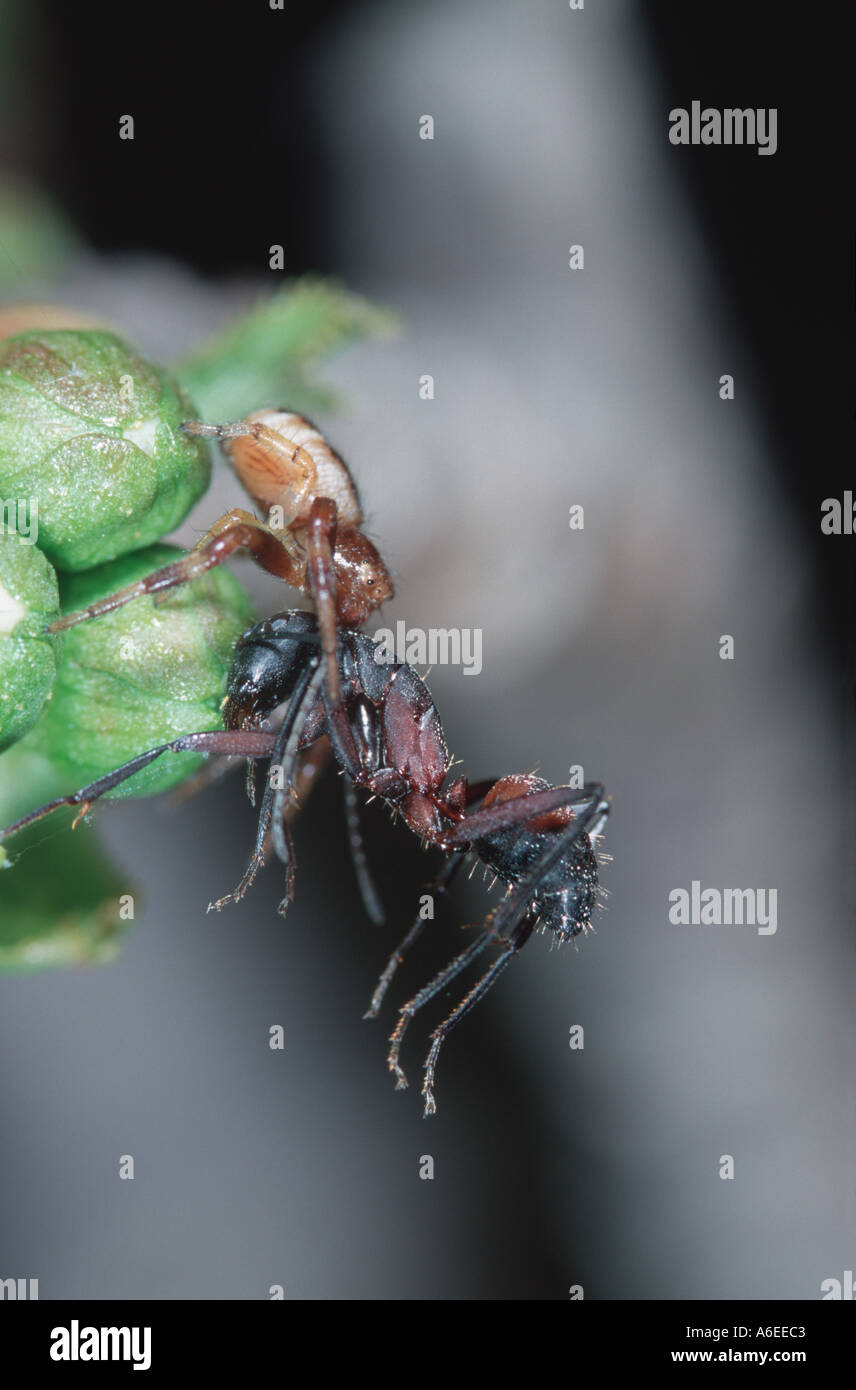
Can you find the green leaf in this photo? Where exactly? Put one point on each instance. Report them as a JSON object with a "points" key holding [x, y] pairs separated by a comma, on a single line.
{"points": [[267, 357], [61, 901], [89, 433], [36, 238], [140, 676]]}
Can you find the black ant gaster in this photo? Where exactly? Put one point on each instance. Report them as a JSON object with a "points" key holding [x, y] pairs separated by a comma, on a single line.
{"points": [[385, 733]]}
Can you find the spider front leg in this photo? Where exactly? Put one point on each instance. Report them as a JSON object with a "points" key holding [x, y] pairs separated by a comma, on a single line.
{"points": [[236, 530], [274, 470], [321, 544]]}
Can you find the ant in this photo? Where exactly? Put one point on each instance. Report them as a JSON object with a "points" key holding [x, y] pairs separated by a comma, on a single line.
{"points": [[313, 540], [386, 735]]}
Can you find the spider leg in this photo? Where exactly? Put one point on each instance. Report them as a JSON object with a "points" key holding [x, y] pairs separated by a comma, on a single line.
{"points": [[231, 742], [236, 530], [274, 469], [321, 542]]}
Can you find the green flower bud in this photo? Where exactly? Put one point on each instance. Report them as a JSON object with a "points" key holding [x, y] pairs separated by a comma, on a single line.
{"points": [[141, 676], [89, 433], [28, 600]]}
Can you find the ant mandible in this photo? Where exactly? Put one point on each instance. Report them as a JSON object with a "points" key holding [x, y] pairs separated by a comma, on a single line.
{"points": [[387, 737]]}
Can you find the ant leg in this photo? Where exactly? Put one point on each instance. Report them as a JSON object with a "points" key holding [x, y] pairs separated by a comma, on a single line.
{"points": [[438, 887], [368, 890], [427, 992], [283, 755], [518, 908], [257, 859], [518, 810], [347, 754], [236, 530], [342, 739], [321, 542], [478, 991], [275, 810], [246, 743], [303, 702], [311, 764]]}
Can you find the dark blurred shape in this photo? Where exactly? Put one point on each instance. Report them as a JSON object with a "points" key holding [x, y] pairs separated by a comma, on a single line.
{"points": [[205, 86], [767, 223]]}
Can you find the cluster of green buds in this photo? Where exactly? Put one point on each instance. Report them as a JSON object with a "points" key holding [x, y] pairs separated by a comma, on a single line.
{"points": [[94, 470]]}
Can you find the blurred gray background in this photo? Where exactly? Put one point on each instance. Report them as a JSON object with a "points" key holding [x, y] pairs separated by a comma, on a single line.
{"points": [[553, 1167]]}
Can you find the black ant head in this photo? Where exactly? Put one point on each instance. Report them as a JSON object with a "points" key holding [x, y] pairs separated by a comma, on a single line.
{"points": [[269, 659]]}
